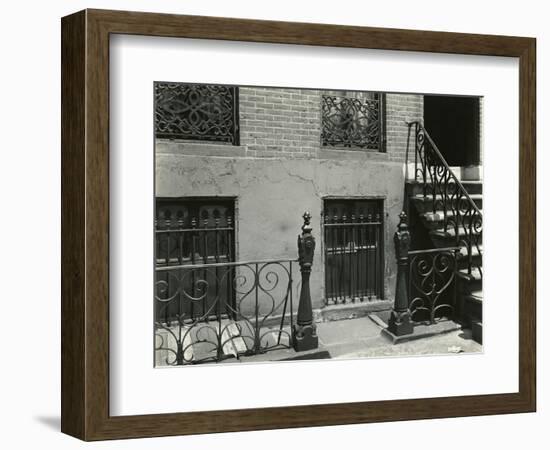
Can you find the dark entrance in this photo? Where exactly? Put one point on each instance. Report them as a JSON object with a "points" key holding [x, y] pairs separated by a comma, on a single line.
{"points": [[453, 124], [353, 246], [194, 232]]}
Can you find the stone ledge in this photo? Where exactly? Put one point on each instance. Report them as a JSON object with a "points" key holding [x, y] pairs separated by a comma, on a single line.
{"points": [[422, 331], [350, 310]]}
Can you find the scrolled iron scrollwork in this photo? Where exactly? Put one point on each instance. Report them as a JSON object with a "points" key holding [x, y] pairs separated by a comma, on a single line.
{"points": [[352, 122], [211, 312], [460, 215], [203, 112], [432, 288]]}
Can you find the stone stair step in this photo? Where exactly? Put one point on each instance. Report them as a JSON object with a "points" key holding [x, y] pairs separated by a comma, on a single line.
{"points": [[473, 186], [476, 274], [429, 197], [439, 216], [477, 331], [476, 296], [475, 251], [451, 232], [425, 204]]}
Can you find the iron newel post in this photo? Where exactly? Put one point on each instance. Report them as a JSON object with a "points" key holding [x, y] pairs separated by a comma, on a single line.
{"points": [[304, 333], [400, 320]]}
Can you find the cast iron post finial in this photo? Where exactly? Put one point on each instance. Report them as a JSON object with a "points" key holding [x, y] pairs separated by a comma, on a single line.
{"points": [[400, 320], [304, 333]]}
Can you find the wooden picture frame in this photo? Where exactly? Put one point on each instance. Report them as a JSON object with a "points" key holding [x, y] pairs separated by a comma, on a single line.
{"points": [[85, 224]]}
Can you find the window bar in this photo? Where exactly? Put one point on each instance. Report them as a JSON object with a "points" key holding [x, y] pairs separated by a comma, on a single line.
{"points": [[357, 244], [231, 295], [205, 301], [360, 268], [169, 307], [217, 258], [350, 257], [167, 224], [193, 251], [328, 278], [377, 255], [179, 235], [334, 266], [370, 258], [343, 259]]}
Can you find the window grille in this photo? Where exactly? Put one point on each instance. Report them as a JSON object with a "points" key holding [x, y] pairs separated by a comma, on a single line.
{"points": [[353, 122], [354, 250], [197, 112]]}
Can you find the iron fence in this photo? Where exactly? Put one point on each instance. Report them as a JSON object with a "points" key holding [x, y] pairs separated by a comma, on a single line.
{"points": [[432, 283], [211, 312]]}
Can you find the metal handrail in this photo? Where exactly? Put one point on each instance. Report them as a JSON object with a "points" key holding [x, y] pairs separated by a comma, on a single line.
{"points": [[444, 162], [436, 172]]}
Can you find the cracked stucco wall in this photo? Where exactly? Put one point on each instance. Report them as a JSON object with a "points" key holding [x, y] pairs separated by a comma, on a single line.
{"points": [[272, 194]]}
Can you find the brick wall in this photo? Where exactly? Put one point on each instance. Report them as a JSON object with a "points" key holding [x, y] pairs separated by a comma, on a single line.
{"points": [[401, 108], [279, 122], [286, 123]]}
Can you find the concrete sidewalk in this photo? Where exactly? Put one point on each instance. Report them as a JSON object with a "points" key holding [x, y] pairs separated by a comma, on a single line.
{"points": [[363, 338]]}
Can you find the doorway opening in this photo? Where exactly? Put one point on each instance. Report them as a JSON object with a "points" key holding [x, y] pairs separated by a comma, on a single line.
{"points": [[454, 124]]}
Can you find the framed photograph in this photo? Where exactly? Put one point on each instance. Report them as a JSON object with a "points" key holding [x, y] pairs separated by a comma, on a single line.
{"points": [[273, 225]]}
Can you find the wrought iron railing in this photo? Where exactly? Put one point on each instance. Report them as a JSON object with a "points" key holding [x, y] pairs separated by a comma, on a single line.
{"points": [[210, 312], [432, 283], [425, 288], [450, 200]]}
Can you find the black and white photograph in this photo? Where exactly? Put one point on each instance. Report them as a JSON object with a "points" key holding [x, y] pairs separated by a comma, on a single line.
{"points": [[303, 224], [275, 225]]}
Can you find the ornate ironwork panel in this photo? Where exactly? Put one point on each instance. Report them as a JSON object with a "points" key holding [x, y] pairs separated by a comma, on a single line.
{"points": [[200, 112], [354, 255], [432, 284], [353, 122], [203, 325]]}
